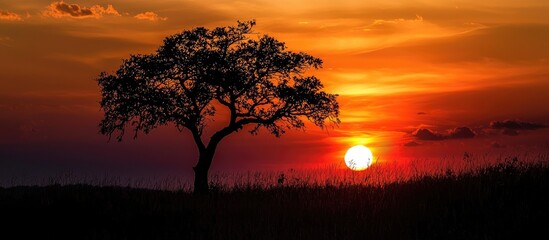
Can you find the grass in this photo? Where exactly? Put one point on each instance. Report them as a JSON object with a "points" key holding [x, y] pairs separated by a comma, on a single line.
{"points": [[501, 201]]}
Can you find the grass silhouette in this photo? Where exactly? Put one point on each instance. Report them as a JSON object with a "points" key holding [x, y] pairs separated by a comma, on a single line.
{"points": [[500, 201]]}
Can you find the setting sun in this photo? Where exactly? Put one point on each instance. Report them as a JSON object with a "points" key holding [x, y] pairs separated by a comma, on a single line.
{"points": [[358, 158]]}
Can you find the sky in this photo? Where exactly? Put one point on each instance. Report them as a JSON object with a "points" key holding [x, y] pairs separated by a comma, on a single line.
{"points": [[416, 80]]}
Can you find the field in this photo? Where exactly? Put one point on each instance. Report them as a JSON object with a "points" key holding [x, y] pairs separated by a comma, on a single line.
{"points": [[501, 201]]}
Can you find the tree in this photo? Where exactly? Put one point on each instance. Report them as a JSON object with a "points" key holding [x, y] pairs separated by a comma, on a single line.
{"points": [[258, 80]]}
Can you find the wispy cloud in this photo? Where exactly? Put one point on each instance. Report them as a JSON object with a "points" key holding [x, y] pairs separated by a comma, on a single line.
{"points": [[390, 26], [10, 16], [150, 16], [62, 9], [4, 41]]}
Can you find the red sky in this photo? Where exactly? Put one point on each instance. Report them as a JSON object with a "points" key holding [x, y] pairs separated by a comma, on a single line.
{"points": [[416, 79]]}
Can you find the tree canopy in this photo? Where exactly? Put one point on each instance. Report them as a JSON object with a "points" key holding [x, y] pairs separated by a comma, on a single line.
{"points": [[256, 79]]}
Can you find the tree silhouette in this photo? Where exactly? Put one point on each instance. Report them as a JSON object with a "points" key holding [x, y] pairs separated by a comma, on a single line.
{"points": [[258, 80]]}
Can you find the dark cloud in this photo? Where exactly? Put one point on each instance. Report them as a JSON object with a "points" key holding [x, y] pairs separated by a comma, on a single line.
{"points": [[511, 127], [412, 144], [428, 135], [461, 132], [456, 133], [73, 10], [516, 125], [421, 113]]}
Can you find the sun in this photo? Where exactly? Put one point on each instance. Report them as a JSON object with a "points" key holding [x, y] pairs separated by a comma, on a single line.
{"points": [[358, 158]]}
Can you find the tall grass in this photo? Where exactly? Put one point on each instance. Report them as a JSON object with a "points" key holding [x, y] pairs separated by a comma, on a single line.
{"points": [[506, 199], [378, 174]]}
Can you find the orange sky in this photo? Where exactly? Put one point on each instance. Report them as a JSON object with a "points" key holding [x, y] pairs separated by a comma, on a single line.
{"points": [[398, 66]]}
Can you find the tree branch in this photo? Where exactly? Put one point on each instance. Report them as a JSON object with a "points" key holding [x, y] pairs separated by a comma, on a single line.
{"points": [[197, 138]]}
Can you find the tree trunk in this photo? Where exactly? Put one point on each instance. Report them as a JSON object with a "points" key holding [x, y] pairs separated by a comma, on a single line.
{"points": [[201, 185]]}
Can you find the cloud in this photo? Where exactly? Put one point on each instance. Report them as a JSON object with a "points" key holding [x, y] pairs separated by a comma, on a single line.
{"points": [[5, 41], [461, 132], [393, 25], [456, 133], [476, 44], [515, 125], [412, 144], [509, 132], [421, 113], [497, 145], [511, 127], [150, 16], [10, 16], [62, 9], [428, 135]]}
